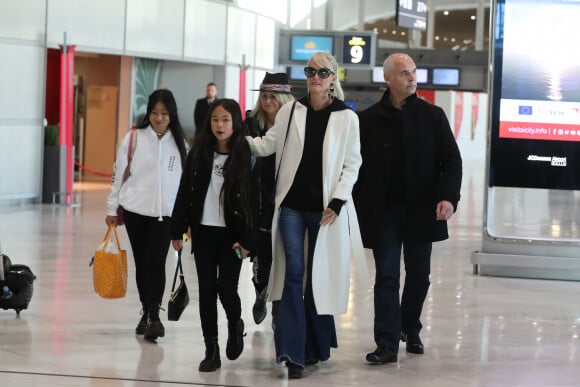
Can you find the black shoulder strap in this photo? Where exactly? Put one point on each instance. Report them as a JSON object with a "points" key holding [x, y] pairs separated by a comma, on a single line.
{"points": [[178, 269], [284, 146]]}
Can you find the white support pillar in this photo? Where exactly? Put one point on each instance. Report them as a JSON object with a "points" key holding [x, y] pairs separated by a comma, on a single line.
{"points": [[430, 24], [479, 19], [328, 11], [414, 38], [361, 15]]}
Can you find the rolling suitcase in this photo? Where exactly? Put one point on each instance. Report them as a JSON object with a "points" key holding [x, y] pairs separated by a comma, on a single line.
{"points": [[16, 285]]}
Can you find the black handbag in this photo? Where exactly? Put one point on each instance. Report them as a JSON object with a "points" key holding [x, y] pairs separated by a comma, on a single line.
{"points": [[180, 296]]}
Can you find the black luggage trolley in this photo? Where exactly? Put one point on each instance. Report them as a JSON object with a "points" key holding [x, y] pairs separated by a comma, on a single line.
{"points": [[19, 281]]}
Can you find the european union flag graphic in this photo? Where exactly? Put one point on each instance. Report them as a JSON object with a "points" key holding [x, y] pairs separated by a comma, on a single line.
{"points": [[524, 110]]}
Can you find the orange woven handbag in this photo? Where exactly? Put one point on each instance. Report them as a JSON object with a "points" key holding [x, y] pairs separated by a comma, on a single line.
{"points": [[110, 269]]}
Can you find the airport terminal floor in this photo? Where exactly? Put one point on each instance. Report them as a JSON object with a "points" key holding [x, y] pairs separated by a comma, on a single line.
{"points": [[478, 331]]}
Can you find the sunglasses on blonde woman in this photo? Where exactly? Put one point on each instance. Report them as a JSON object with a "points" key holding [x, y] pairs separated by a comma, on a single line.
{"points": [[323, 73]]}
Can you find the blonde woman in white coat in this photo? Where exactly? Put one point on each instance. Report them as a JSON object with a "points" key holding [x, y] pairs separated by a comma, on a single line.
{"points": [[317, 164]]}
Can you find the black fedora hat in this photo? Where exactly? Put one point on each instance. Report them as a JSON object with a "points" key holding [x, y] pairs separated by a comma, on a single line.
{"points": [[275, 83]]}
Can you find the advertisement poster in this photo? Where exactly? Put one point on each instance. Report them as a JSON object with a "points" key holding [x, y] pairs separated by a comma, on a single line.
{"points": [[535, 119]]}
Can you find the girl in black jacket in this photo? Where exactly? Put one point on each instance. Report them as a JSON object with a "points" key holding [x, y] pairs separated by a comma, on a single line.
{"points": [[215, 201]]}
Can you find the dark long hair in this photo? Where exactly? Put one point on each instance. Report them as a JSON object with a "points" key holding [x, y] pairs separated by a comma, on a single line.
{"points": [[237, 166], [166, 98]]}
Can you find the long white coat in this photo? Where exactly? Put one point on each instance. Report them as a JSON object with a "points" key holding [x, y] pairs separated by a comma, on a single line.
{"points": [[340, 243]]}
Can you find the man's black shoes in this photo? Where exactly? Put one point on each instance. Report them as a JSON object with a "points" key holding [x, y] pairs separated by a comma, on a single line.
{"points": [[382, 355], [414, 344]]}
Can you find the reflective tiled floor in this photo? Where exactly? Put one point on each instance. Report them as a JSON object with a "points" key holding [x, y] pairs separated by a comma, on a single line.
{"points": [[479, 331]]}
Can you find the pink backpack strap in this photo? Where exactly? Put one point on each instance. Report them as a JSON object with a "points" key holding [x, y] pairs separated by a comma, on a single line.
{"points": [[130, 152]]}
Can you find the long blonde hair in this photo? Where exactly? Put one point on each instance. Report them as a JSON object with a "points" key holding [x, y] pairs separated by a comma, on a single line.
{"points": [[324, 59], [260, 115]]}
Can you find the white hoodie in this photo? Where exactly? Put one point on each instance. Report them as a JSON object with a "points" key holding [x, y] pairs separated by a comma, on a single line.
{"points": [[156, 170]]}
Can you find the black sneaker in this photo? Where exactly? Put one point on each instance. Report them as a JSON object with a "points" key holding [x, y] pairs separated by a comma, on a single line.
{"points": [[235, 344]]}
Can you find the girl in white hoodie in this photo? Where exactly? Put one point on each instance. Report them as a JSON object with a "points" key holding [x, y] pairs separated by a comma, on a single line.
{"points": [[147, 197]]}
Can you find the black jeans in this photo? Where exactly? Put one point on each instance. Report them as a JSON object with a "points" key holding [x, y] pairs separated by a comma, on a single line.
{"points": [[391, 316], [262, 261], [150, 239], [218, 272]]}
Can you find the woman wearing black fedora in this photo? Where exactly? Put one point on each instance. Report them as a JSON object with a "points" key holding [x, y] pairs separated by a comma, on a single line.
{"points": [[274, 93]]}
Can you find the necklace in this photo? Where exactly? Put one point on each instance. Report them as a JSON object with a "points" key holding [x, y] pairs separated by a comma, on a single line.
{"points": [[159, 135]]}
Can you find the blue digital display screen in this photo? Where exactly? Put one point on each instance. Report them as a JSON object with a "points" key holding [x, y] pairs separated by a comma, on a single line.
{"points": [[297, 73], [303, 46], [445, 77]]}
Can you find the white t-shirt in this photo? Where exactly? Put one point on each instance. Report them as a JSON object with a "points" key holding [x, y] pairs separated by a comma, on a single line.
{"points": [[213, 209]]}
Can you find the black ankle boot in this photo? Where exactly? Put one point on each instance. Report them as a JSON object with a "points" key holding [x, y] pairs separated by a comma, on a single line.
{"points": [[154, 327], [235, 344], [260, 310], [140, 329], [212, 359]]}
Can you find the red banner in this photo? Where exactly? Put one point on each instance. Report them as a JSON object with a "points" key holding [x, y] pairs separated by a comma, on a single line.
{"points": [[242, 90], [458, 113], [67, 60]]}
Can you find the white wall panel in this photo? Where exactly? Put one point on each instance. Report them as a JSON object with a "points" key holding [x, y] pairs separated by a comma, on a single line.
{"points": [[232, 85], [250, 94], [87, 23], [241, 36], [23, 19], [21, 82], [20, 148], [155, 27], [205, 31], [265, 42], [252, 98]]}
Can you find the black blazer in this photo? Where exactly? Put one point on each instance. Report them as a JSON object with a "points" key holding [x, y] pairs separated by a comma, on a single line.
{"points": [[265, 170], [201, 111], [190, 199], [433, 168]]}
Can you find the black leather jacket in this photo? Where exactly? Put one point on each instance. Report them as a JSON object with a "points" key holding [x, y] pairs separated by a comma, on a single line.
{"points": [[190, 199]]}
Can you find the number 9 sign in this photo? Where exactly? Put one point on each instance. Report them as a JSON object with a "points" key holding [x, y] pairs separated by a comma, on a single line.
{"points": [[356, 49], [356, 54]]}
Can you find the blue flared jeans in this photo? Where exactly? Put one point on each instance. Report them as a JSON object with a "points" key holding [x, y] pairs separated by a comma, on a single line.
{"points": [[302, 336]]}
